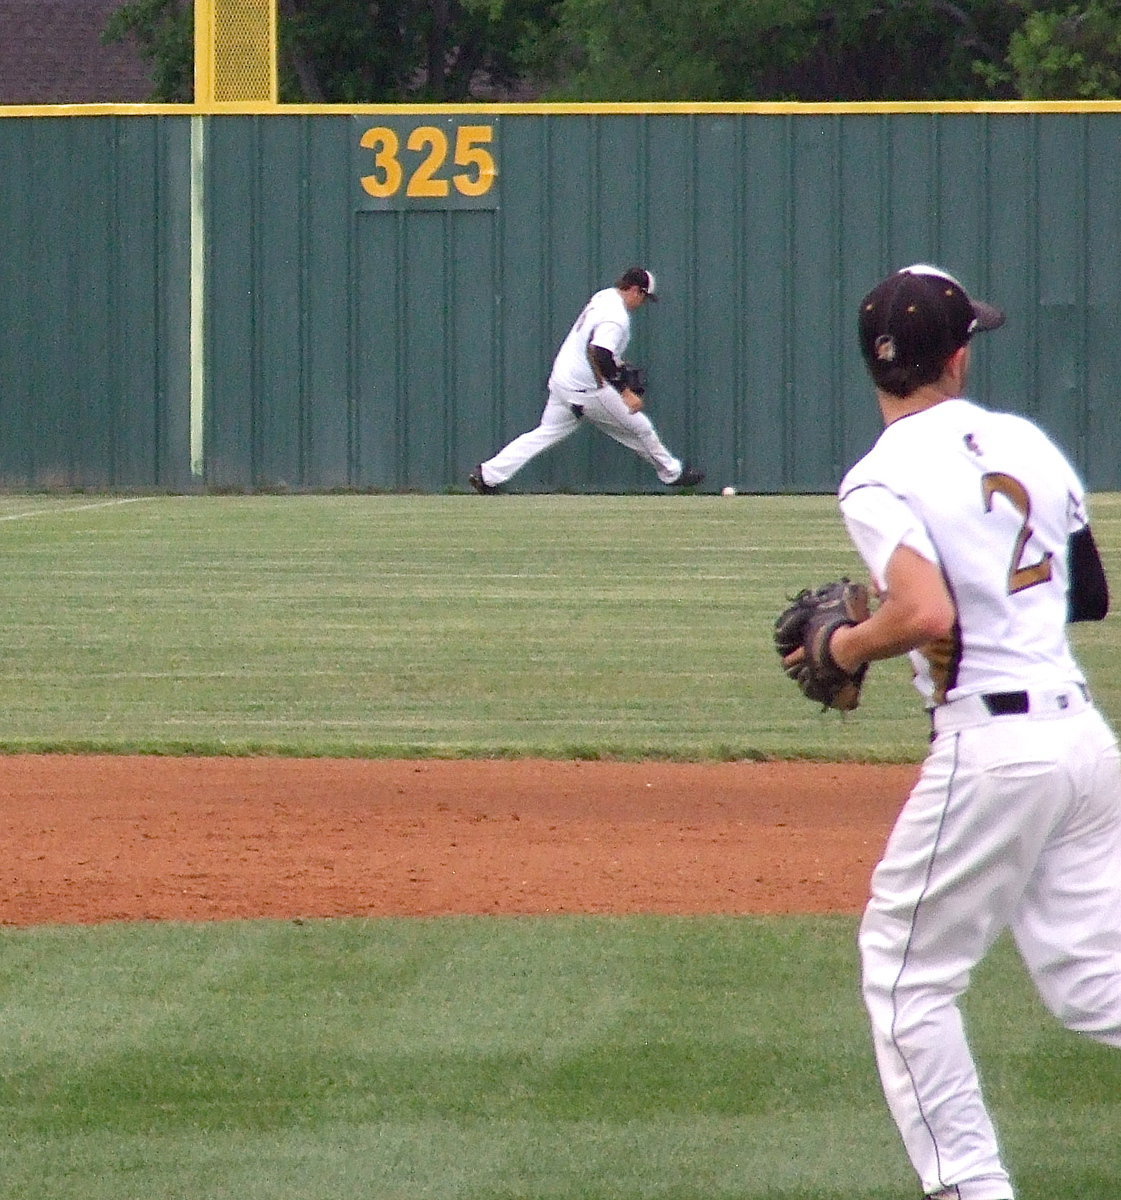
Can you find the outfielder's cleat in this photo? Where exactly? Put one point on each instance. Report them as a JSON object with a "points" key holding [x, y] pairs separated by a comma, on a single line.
{"points": [[476, 480], [689, 477]]}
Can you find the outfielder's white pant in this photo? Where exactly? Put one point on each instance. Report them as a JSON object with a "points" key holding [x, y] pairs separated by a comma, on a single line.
{"points": [[605, 410], [1015, 822]]}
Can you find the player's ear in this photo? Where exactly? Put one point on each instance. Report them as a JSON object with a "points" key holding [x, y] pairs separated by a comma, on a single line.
{"points": [[957, 368]]}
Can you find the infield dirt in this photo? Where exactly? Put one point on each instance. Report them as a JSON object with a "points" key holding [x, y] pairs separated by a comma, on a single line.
{"points": [[88, 839]]}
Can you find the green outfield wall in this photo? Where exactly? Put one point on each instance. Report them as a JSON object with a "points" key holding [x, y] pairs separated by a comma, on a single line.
{"points": [[370, 298]]}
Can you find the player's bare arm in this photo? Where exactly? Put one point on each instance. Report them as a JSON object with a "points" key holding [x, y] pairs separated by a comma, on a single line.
{"points": [[915, 609]]}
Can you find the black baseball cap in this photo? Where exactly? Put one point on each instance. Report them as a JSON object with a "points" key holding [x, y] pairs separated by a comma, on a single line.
{"points": [[640, 277], [912, 321]]}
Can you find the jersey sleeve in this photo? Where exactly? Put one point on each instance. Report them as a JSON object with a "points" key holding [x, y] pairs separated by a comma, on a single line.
{"points": [[610, 335], [878, 522], [1077, 512], [1061, 468]]}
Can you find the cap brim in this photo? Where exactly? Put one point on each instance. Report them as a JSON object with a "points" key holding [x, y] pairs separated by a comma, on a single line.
{"points": [[988, 315]]}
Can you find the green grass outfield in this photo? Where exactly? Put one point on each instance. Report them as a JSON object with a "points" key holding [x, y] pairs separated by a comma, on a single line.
{"points": [[437, 625], [639, 1058], [497, 1059]]}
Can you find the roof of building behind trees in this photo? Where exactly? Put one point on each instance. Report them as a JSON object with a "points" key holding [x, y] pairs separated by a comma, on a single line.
{"points": [[51, 53]]}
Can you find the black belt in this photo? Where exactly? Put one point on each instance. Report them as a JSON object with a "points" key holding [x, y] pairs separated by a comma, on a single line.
{"points": [[1010, 704], [1006, 704]]}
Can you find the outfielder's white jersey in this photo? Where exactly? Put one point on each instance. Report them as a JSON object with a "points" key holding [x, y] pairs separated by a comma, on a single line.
{"points": [[990, 499], [605, 321]]}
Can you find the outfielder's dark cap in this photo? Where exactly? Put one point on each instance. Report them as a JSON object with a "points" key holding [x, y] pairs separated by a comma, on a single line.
{"points": [[640, 277], [912, 321]]}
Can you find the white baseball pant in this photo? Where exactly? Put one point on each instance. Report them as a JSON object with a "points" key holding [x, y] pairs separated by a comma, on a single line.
{"points": [[1015, 822], [603, 408]]}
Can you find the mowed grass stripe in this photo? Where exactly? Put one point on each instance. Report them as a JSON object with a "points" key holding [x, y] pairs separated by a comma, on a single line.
{"points": [[380, 625], [498, 1057]]}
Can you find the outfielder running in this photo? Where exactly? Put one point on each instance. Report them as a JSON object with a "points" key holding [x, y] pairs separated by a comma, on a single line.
{"points": [[588, 383], [973, 526]]}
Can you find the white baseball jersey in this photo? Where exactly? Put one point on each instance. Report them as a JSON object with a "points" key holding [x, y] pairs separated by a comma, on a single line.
{"points": [[988, 498], [605, 322]]}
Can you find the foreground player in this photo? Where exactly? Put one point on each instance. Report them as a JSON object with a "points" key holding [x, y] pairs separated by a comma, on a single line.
{"points": [[587, 383], [973, 527]]}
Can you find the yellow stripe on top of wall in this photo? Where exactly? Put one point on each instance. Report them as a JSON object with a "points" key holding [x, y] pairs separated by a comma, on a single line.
{"points": [[634, 108]]}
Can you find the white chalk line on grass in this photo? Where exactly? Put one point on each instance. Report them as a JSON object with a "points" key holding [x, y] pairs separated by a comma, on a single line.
{"points": [[47, 512]]}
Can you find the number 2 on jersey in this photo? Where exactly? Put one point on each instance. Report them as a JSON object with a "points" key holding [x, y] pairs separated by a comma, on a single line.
{"points": [[995, 483]]}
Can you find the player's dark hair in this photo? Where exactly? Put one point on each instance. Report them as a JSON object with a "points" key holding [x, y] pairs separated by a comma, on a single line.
{"points": [[901, 379]]}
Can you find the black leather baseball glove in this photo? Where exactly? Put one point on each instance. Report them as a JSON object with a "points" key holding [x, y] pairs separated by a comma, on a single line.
{"points": [[802, 633], [633, 377]]}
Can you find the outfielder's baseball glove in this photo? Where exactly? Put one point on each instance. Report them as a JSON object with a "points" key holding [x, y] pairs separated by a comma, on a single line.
{"points": [[633, 377], [802, 633]]}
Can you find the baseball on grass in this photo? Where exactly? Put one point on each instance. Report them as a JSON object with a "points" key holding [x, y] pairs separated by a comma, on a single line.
{"points": [[728, 491]]}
